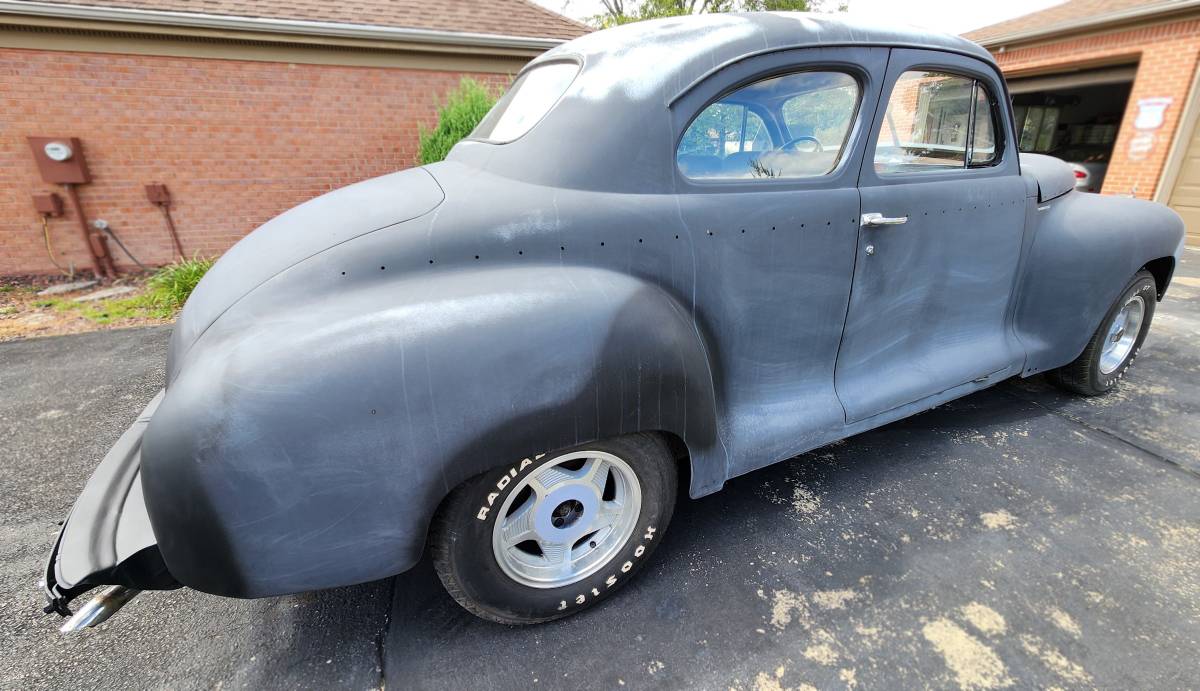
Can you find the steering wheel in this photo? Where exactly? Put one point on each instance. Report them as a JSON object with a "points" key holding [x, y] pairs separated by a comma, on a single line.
{"points": [[790, 145]]}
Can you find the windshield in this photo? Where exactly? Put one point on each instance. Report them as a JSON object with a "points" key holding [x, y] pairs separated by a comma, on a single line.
{"points": [[527, 102]]}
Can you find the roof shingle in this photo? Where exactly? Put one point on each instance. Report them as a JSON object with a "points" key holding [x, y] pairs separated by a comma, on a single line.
{"points": [[500, 17], [1067, 15]]}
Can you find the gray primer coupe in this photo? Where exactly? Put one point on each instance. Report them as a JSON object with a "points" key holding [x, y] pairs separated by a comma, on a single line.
{"points": [[676, 251]]}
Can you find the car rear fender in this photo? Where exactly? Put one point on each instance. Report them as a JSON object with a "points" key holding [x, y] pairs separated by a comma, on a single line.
{"points": [[107, 538], [308, 446]]}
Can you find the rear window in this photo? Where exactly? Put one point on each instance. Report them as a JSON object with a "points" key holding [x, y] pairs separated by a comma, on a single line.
{"points": [[532, 96]]}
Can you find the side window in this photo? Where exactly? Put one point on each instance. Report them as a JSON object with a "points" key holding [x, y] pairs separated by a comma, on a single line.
{"points": [[929, 121], [792, 126], [821, 114], [725, 128]]}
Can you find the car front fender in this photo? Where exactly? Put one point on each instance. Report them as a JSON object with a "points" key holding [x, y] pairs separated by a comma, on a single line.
{"points": [[1085, 249], [308, 447]]}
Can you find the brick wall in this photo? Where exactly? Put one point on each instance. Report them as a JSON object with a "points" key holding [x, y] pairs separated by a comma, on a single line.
{"points": [[236, 142], [1167, 56]]}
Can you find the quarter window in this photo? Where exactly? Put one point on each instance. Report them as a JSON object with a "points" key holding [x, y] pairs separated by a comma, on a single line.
{"points": [[793, 126], [936, 121]]}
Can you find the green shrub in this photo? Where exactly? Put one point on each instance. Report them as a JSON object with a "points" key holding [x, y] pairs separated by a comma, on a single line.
{"points": [[464, 108], [170, 286]]}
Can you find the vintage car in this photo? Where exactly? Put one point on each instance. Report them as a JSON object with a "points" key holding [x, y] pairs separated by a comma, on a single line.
{"points": [[674, 252]]}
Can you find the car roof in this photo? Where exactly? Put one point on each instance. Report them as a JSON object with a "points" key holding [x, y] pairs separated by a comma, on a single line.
{"points": [[666, 56], [631, 75]]}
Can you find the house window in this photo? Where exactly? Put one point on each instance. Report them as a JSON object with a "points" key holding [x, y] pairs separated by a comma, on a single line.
{"points": [[1037, 125]]}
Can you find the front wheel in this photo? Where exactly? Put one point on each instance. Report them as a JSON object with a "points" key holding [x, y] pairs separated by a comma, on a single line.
{"points": [[1115, 344], [549, 536]]}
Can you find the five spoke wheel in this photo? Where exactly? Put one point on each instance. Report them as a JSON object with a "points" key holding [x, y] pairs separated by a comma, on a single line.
{"points": [[565, 520], [1122, 334], [547, 536]]}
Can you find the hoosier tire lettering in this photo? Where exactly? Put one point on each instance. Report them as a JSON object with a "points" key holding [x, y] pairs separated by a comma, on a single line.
{"points": [[609, 582]]}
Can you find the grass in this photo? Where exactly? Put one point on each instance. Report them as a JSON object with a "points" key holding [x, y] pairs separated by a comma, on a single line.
{"points": [[171, 285], [166, 291], [109, 311]]}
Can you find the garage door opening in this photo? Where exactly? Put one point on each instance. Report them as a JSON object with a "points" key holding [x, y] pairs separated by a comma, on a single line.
{"points": [[1074, 117]]}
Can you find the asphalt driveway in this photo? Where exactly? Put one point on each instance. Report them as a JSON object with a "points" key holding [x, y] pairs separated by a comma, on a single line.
{"points": [[1015, 538]]}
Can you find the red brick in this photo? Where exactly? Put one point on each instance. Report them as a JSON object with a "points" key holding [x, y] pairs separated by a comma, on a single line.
{"points": [[236, 142], [1166, 54]]}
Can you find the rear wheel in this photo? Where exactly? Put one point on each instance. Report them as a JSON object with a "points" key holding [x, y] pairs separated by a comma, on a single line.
{"points": [[1115, 344], [549, 536]]}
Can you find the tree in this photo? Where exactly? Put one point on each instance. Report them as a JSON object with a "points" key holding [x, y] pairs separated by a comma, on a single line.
{"points": [[624, 11]]}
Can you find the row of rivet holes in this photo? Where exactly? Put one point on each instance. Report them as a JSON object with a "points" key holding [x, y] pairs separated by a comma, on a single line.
{"points": [[709, 232]]}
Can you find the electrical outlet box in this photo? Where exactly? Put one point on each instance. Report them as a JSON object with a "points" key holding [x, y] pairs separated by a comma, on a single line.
{"points": [[158, 194], [49, 204], [60, 160]]}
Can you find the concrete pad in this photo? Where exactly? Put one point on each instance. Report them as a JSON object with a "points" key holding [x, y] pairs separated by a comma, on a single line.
{"points": [[66, 287], [105, 294]]}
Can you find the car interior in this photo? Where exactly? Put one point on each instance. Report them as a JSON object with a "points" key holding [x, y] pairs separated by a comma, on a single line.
{"points": [[789, 126], [796, 125]]}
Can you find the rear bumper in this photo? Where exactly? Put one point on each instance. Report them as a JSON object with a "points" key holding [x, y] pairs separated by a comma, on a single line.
{"points": [[107, 538]]}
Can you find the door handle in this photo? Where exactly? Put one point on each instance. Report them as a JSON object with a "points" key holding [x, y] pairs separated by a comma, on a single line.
{"points": [[875, 220]]}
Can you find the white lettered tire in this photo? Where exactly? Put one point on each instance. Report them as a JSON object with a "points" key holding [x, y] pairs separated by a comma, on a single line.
{"points": [[548, 536], [1116, 343]]}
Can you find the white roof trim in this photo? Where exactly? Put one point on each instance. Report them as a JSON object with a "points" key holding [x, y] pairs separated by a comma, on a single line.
{"points": [[1072, 80], [280, 26], [1143, 11]]}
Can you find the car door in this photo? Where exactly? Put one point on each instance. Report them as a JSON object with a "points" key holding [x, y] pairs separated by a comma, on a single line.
{"points": [[768, 153], [939, 241]]}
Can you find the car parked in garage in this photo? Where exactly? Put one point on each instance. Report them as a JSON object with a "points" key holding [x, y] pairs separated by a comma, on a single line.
{"points": [[673, 253], [1089, 164]]}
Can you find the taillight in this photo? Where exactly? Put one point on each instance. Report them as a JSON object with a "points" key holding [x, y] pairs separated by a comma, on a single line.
{"points": [[1079, 174]]}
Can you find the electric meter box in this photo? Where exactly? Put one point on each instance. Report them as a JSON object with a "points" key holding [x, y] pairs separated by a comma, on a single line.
{"points": [[60, 160]]}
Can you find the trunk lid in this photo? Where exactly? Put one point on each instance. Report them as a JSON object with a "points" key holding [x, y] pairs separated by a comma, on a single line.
{"points": [[296, 235]]}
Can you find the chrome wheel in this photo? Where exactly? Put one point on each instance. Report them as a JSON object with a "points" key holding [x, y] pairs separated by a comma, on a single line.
{"points": [[566, 520], [1122, 334]]}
